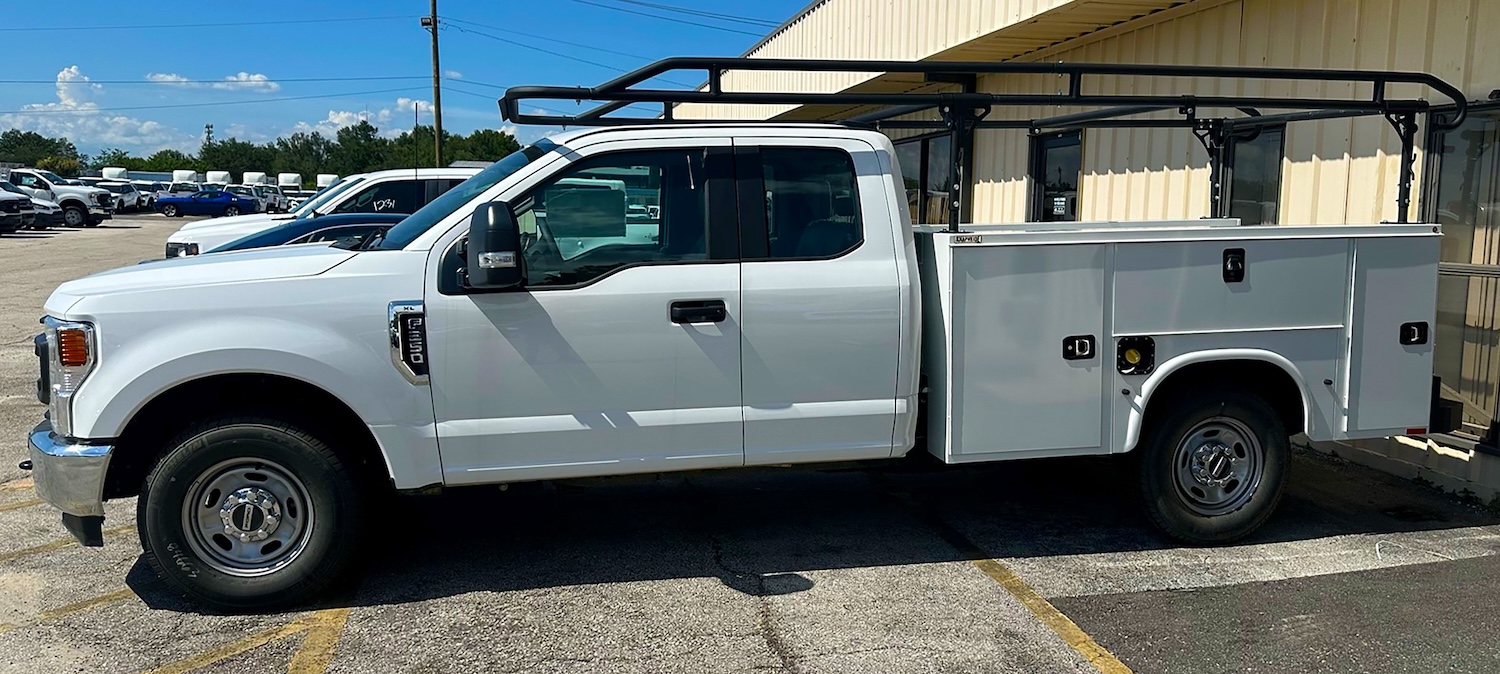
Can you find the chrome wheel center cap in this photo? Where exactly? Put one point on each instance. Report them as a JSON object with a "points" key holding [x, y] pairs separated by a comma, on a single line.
{"points": [[1213, 464], [250, 514]]}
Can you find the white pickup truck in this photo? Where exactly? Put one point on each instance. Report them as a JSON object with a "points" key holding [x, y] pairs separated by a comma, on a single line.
{"points": [[82, 206], [755, 295]]}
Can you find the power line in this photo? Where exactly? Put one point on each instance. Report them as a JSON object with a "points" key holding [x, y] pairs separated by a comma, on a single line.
{"points": [[231, 82], [733, 18], [558, 54], [667, 18], [549, 38], [65, 111], [219, 24]]}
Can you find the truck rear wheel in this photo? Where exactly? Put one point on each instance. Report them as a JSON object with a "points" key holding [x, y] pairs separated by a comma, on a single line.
{"points": [[1213, 467], [249, 514]]}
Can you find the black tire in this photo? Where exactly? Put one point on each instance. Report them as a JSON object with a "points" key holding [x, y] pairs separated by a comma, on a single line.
{"points": [[1207, 424], [177, 542], [169, 210], [75, 216], [231, 211]]}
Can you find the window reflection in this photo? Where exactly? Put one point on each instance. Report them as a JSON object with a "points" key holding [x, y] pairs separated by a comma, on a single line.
{"points": [[1255, 184], [926, 168]]}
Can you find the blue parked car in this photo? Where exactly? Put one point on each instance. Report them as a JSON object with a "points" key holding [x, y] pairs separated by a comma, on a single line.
{"points": [[341, 229], [206, 202]]}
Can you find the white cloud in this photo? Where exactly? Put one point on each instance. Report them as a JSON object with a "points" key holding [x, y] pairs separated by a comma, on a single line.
{"points": [[168, 78], [249, 82], [453, 74], [76, 116], [241, 81], [393, 120]]}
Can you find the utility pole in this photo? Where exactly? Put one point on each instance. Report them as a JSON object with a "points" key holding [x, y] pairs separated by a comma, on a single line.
{"points": [[431, 23]]}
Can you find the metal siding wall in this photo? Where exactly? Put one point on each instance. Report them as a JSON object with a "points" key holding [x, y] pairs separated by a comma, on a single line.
{"points": [[1335, 172], [906, 30]]}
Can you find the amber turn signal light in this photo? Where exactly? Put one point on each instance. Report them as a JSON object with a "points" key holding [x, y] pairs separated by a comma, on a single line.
{"points": [[72, 347]]}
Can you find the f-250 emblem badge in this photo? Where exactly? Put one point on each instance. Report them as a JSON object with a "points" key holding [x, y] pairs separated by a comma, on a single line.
{"points": [[409, 340]]}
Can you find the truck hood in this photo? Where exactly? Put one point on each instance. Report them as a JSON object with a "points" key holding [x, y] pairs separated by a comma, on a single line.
{"points": [[234, 267], [261, 218], [43, 204]]}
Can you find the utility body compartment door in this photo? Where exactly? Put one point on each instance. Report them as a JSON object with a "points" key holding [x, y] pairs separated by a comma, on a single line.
{"points": [[1390, 359]]}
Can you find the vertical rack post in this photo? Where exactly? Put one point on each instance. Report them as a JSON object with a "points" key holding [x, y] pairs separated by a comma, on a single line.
{"points": [[1405, 124], [961, 120]]}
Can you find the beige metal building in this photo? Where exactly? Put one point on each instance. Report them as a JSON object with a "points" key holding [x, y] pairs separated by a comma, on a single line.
{"points": [[1342, 171]]}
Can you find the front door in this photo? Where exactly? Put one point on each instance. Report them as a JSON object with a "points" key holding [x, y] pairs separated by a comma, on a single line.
{"points": [[622, 352]]}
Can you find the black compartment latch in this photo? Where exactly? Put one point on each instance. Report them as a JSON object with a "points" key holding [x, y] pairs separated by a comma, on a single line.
{"points": [[1414, 333], [1234, 265], [1079, 347]]}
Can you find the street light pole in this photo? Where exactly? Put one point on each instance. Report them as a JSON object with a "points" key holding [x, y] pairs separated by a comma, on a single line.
{"points": [[431, 23]]}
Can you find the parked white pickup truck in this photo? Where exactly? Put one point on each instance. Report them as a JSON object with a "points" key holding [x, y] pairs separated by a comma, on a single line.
{"points": [[755, 295]]}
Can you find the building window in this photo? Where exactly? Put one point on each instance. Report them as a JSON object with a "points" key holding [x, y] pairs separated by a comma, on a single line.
{"points": [[1056, 171], [1463, 195], [926, 167], [1255, 176]]}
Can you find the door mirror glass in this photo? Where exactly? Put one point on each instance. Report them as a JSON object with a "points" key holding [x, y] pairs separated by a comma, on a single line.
{"points": [[494, 250]]}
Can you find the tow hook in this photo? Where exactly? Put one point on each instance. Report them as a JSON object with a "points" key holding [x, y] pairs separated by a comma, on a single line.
{"points": [[24, 465]]}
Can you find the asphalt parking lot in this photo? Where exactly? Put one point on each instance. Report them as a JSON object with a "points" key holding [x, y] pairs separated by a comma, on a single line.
{"points": [[900, 567]]}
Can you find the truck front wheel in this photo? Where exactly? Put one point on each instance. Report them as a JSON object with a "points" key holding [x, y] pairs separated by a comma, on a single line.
{"points": [[249, 514], [1213, 467]]}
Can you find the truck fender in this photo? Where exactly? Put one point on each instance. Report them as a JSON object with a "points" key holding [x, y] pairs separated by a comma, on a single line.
{"points": [[1165, 371], [137, 374]]}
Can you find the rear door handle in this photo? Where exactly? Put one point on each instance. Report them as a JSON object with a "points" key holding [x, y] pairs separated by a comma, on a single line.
{"points": [[699, 311]]}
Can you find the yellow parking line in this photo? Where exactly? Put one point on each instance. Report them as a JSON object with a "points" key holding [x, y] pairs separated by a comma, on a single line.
{"points": [[1036, 604], [231, 649], [76, 607], [324, 629], [58, 545], [18, 485], [1071, 633], [20, 504]]}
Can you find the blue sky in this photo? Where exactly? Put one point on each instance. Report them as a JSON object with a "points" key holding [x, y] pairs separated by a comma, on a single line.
{"points": [[143, 89]]}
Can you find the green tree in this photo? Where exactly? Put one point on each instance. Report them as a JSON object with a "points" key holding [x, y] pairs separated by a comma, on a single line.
{"points": [[235, 156], [357, 149], [168, 160], [29, 147], [111, 156], [482, 145], [302, 153], [66, 167]]}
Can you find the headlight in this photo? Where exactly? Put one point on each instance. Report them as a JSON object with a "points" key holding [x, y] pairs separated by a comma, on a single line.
{"points": [[72, 351]]}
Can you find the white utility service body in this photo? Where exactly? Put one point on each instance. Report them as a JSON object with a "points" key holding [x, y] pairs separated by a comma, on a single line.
{"points": [[445, 377], [1326, 305]]}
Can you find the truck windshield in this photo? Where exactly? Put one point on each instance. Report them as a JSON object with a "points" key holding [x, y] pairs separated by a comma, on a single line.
{"points": [[416, 223], [322, 196]]}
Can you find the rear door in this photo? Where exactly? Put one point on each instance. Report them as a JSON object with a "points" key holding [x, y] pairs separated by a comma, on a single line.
{"points": [[820, 301]]}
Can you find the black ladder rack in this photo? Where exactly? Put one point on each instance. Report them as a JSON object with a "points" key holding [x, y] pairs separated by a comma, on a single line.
{"points": [[962, 112]]}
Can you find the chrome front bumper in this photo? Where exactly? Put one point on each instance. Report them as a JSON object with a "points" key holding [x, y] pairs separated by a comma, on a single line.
{"points": [[68, 475]]}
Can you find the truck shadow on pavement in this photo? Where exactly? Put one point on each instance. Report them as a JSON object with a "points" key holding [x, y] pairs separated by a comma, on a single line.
{"points": [[755, 530]]}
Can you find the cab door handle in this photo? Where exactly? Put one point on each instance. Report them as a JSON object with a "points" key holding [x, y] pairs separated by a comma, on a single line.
{"points": [[699, 311]]}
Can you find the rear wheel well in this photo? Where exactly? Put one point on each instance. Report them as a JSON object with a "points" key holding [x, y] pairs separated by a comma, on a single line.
{"points": [[144, 440], [1257, 377]]}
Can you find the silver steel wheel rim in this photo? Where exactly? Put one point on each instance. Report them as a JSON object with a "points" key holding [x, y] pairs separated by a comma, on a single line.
{"points": [[1218, 466], [247, 517], [72, 217]]}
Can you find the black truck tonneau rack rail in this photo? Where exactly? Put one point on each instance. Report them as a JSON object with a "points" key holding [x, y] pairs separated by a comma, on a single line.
{"points": [[964, 111]]}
